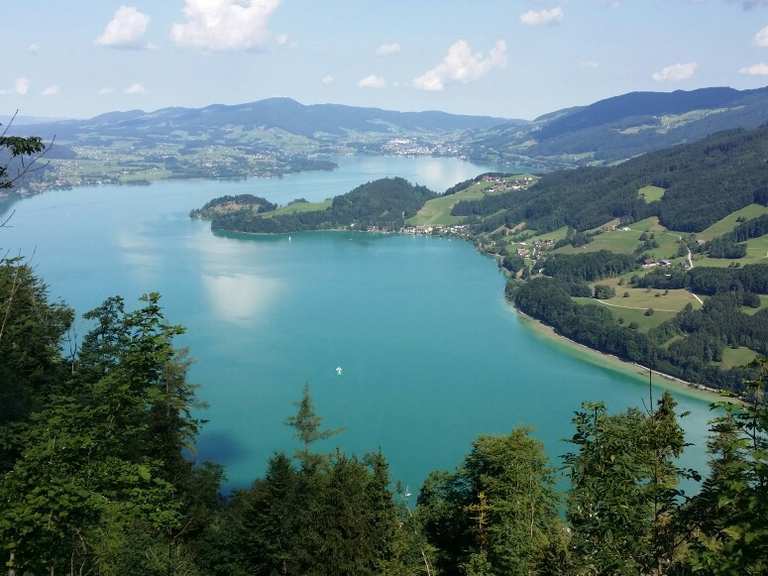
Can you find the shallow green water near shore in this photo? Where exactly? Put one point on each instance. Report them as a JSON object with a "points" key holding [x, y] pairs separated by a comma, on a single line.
{"points": [[431, 354]]}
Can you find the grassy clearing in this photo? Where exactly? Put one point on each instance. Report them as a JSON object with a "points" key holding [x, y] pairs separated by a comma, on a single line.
{"points": [[300, 207], [757, 253], [731, 221], [752, 311], [733, 357], [627, 241], [627, 316], [668, 300], [651, 193], [437, 212], [555, 235]]}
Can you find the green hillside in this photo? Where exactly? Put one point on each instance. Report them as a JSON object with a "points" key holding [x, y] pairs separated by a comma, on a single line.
{"points": [[386, 204], [703, 182]]}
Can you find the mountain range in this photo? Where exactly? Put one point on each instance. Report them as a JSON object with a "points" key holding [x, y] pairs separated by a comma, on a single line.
{"points": [[620, 127]]}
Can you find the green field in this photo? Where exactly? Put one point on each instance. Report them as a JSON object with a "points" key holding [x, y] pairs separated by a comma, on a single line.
{"points": [[643, 298], [627, 241], [555, 235], [733, 357], [731, 221], [752, 311], [757, 253], [651, 193], [299, 207], [437, 212], [629, 315]]}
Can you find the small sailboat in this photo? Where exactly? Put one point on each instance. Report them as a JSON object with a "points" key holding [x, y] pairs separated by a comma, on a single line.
{"points": [[339, 371], [290, 239], [407, 492]]}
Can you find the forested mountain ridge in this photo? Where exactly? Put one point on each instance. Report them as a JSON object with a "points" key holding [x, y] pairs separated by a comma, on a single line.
{"points": [[621, 127], [283, 114], [702, 182]]}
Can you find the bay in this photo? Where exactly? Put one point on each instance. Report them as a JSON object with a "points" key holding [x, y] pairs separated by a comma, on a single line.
{"points": [[431, 353]]}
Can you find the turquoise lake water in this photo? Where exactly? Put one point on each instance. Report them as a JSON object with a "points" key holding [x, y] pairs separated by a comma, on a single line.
{"points": [[431, 354]]}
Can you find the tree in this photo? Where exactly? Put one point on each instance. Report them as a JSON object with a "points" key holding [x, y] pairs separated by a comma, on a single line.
{"points": [[497, 513], [21, 153], [624, 493], [731, 513], [308, 425]]}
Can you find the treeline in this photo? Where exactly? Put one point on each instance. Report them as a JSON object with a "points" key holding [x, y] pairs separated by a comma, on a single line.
{"points": [[732, 245], [472, 181], [703, 334], [247, 202], [703, 181], [589, 265], [704, 280], [384, 203], [94, 479]]}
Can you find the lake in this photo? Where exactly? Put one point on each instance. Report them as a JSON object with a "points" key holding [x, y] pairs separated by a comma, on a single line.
{"points": [[431, 353]]}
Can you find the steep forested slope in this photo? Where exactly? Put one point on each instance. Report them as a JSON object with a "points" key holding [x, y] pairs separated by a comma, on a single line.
{"points": [[703, 182]]}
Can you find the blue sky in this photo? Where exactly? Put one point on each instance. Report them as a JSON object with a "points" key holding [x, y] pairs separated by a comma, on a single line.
{"points": [[512, 58]]}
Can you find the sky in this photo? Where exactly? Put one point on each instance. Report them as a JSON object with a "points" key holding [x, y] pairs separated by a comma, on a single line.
{"points": [[509, 58]]}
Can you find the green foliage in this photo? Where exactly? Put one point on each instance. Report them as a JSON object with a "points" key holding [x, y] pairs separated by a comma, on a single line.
{"points": [[731, 513], [228, 204], [603, 292], [703, 182], [20, 152], [385, 203], [496, 514], [588, 266], [624, 489], [307, 424]]}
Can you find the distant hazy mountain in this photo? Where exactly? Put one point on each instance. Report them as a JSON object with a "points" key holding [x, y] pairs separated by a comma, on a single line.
{"points": [[623, 126], [282, 114]]}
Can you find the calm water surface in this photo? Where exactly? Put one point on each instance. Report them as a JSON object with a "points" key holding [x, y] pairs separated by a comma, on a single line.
{"points": [[431, 354]]}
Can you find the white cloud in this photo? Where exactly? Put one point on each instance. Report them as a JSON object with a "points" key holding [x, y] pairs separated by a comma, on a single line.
{"points": [[21, 86], [282, 39], [106, 90], [462, 65], [33, 48], [592, 64], [51, 90], [4, 91], [676, 72], [225, 24], [327, 80], [755, 70], [372, 81], [136, 88], [761, 38], [125, 30], [545, 17], [388, 49]]}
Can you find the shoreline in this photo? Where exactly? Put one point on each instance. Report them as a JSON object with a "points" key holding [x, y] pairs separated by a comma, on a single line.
{"points": [[576, 349], [616, 364]]}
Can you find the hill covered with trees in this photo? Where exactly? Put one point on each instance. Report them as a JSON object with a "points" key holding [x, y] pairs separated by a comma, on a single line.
{"points": [[383, 204], [702, 183], [620, 127]]}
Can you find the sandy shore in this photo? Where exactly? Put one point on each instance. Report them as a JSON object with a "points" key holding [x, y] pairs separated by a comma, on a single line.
{"points": [[615, 363]]}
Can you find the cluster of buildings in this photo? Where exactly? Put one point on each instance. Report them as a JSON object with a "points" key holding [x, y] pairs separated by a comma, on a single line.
{"points": [[535, 249], [460, 231], [414, 147], [653, 263], [508, 184]]}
